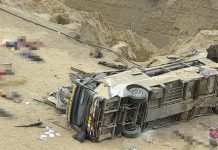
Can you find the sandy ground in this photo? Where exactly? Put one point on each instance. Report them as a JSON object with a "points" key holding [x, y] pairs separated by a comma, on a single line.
{"points": [[60, 53], [90, 27]]}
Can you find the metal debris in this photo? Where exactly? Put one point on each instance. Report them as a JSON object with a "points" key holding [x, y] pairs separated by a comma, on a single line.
{"points": [[35, 124], [57, 98], [112, 65], [6, 64]]}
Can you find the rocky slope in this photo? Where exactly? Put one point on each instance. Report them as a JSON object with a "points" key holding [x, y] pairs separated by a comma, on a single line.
{"points": [[161, 21]]}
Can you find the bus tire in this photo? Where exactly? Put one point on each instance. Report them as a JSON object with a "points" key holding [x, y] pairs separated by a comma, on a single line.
{"points": [[131, 133], [136, 93]]}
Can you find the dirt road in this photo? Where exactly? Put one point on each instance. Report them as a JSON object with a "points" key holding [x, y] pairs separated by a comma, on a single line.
{"points": [[60, 53]]}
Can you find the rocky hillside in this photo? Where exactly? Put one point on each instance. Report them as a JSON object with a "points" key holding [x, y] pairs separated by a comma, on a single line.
{"points": [[161, 21]]}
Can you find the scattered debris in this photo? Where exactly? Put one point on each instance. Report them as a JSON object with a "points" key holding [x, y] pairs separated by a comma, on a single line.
{"points": [[190, 54], [151, 62], [112, 65], [58, 98], [183, 57], [49, 133], [39, 101], [6, 64], [35, 124], [78, 73]]}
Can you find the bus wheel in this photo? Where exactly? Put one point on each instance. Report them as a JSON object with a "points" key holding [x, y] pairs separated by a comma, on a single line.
{"points": [[131, 133], [137, 93]]}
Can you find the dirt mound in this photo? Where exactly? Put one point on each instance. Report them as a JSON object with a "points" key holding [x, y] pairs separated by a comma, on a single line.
{"points": [[185, 49], [96, 30], [161, 21], [200, 42], [142, 48], [124, 49], [91, 27]]}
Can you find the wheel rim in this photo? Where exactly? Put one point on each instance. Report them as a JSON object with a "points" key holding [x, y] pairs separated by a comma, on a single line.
{"points": [[137, 92]]}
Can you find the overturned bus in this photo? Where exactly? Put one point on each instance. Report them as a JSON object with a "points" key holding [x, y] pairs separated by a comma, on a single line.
{"points": [[111, 104]]}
